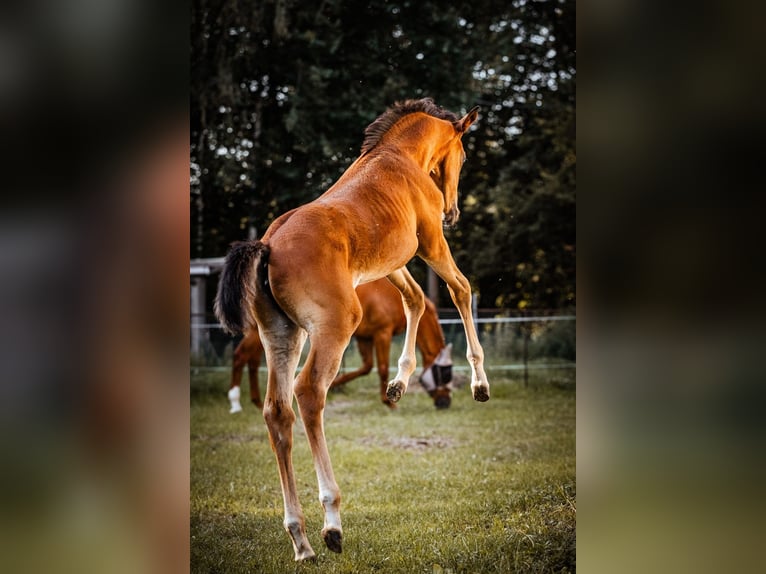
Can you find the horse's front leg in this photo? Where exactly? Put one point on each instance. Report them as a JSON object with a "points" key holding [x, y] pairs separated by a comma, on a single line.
{"points": [[460, 291], [414, 306]]}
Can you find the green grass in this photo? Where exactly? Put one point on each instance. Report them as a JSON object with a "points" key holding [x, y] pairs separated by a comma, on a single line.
{"points": [[476, 488]]}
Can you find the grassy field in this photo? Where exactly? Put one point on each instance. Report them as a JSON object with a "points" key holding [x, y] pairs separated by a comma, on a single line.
{"points": [[476, 488]]}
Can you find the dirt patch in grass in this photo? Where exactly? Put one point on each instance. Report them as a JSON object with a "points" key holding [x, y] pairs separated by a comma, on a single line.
{"points": [[417, 444], [224, 438], [340, 405]]}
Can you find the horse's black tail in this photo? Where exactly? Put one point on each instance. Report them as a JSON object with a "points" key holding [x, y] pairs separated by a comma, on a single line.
{"points": [[238, 286]]}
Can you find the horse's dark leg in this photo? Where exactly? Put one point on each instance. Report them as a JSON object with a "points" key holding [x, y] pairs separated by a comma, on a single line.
{"points": [[414, 305], [365, 350]]}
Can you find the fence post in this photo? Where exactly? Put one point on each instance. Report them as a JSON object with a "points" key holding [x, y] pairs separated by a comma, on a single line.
{"points": [[433, 287], [197, 312], [525, 331]]}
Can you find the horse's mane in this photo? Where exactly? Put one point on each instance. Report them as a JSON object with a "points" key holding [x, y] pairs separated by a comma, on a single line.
{"points": [[377, 129]]}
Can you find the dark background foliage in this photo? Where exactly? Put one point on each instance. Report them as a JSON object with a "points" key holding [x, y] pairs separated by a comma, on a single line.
{"points": [[282, 90]]}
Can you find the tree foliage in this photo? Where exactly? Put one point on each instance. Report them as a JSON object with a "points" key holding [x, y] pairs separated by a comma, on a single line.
{"points": [[282, 91]]}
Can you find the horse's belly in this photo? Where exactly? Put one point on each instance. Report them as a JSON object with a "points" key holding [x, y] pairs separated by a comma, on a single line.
{"points": [[379, 270]]}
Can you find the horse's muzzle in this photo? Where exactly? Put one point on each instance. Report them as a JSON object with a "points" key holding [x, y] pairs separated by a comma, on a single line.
{"points": [[442, 398]]}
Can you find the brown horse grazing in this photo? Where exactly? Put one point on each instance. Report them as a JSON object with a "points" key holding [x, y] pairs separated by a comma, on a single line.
{"points": [[299, 280], [382, 318]]}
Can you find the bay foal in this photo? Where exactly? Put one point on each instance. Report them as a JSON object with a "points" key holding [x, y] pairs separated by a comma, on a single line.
{"points": [[299, 281]]}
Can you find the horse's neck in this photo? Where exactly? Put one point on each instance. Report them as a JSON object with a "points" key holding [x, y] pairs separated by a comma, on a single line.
{"points": [[430, 338], [417, 142], [417, 136]]}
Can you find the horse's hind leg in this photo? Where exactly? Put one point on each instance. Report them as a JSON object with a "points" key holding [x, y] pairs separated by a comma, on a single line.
{"points": [[414, 305], [322, 363], [283, 343]]}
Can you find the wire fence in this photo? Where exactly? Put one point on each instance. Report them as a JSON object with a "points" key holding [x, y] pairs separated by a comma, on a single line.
{"points": [[524, 343]]}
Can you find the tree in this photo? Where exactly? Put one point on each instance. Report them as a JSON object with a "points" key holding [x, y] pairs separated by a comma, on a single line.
{"points": [[282, 92]]}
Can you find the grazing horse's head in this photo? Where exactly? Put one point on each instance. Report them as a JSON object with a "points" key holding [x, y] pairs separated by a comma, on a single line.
{"points": [[437, 378], [440, 151]]}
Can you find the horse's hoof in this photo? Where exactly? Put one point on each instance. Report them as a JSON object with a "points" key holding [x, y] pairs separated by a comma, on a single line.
{"points": [[394, 391], [481, 394], [334, 540], [233, 395], [306, 556], [390, 405]]}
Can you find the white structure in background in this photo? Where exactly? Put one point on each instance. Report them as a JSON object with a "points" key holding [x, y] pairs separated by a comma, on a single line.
{"points": [[199, 270]]}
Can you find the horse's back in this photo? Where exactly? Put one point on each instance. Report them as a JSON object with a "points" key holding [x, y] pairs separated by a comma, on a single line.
{"points": [[339, 240]]}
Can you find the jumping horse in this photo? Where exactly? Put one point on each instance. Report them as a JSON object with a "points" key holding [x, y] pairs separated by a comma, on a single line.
{"points": [[382, 318], [299, 281]]}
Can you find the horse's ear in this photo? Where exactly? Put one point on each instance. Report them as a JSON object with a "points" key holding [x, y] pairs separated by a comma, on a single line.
{"points": [[465, 122]]}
